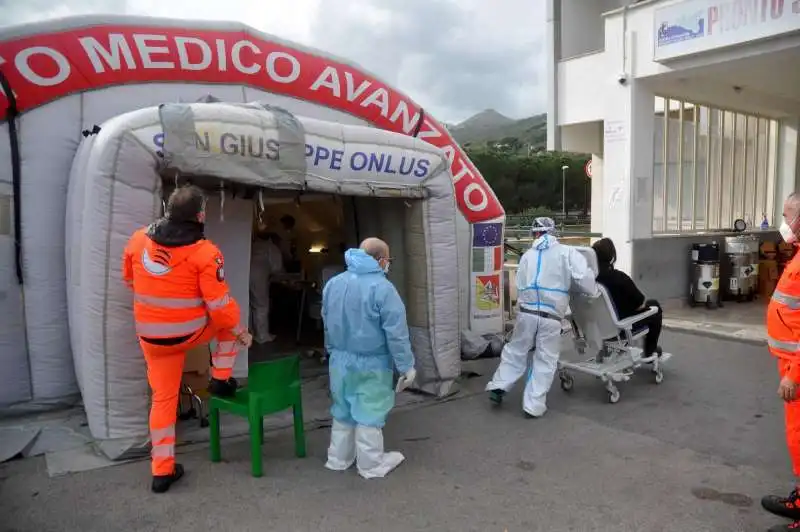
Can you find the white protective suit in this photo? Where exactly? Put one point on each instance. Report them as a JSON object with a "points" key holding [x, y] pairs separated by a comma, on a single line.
{"points": [[546, 273], [265, 260]]}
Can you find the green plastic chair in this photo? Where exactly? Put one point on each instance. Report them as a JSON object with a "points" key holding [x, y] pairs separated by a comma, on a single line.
{"points": [[272, 387]]}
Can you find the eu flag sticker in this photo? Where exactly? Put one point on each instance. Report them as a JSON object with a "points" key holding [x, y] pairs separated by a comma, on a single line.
{"points": [[487, 235]]}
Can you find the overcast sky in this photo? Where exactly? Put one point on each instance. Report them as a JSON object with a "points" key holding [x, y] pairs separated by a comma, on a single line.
{"points": [[454, 57]]}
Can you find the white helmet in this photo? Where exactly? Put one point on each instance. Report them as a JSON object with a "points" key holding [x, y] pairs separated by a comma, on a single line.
{"points": [[543, 224]]}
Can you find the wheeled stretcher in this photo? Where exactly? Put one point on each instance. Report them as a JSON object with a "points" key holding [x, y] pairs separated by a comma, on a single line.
{"points": [[597, 330]]}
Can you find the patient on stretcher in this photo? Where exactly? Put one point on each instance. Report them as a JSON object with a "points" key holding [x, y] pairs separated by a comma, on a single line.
{"points": [[628, 300]]}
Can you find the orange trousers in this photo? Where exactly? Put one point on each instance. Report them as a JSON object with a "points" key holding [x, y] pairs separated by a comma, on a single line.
{"points": [[164, 373], [792, 423]]}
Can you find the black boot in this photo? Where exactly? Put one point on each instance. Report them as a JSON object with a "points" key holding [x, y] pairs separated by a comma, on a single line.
{"points": [[223, 388], [496, 396], [783, 506], [162, 483]]}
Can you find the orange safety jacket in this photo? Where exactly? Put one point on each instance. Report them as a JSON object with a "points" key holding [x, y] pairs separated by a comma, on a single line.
{"points": [[783, 319], [178, 291]]}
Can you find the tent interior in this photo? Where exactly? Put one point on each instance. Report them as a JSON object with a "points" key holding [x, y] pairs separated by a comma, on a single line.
{"points": [[312, 231]]}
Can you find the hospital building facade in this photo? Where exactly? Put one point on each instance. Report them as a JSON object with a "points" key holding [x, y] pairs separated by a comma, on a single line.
{"points": [[690, 110]]}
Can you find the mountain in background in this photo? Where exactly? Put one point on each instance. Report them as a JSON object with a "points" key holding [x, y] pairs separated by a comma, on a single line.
{"points": [[489, 126]]}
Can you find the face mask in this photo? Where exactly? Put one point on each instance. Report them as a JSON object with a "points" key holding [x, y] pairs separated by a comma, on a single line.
{"points": [[786, 232], [386, 268]]}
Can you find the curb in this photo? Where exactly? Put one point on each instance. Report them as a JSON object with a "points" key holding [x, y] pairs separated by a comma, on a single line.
{"points": [[728, 335]]}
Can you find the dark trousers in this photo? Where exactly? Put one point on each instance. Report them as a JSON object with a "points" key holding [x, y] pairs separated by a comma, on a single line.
{"points": [[653, 323]]}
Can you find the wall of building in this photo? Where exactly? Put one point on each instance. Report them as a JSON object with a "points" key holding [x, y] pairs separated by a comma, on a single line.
{"points": [[579, 80], [582, 25], [661, 266], [628, 50], [586, 137], [606, 91], [788, 164], [597, 193], [797, 155], [640, 22]]}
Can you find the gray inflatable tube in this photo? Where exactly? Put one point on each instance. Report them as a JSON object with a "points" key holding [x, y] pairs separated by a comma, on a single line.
{"points": [[109, 65], [116, 187]]}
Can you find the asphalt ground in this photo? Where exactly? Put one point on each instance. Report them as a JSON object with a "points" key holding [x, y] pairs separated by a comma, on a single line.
{"points": [[694, 453]]}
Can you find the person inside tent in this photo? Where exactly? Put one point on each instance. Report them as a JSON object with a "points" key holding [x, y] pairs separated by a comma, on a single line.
{"points": [[627, 298], [289, 243], [545, 275], [265, 260], [180, 300], [366, 335]]}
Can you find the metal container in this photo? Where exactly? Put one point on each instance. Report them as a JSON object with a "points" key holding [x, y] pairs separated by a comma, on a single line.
{"points": [[509, 289], [741, 273], [704, 287]]}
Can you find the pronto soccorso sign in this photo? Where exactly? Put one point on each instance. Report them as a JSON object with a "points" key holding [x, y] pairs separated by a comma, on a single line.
{"points": [[694, 26], [44, 67]]}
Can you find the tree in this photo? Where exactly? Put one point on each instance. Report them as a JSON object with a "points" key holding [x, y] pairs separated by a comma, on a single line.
{"points": [[523, 182]]}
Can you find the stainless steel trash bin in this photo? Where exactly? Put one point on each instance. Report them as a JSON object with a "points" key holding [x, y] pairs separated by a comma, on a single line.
{"points": [[741, 272], [704, 287]]}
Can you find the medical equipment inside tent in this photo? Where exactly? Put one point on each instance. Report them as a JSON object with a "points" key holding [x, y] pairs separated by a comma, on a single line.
{"points": [[86, 155]]}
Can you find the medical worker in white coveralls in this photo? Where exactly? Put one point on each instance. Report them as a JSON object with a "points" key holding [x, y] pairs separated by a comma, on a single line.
{"points": [[545, 275], [366, 335]]}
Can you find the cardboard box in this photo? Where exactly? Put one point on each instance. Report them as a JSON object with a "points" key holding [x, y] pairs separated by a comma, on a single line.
{"points": [[198, 359], [767, 277], [785, 252], [196, 369], [198, 383], [768, 250]]}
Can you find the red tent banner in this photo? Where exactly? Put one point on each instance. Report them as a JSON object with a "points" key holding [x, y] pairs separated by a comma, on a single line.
{"points": [[47, 66]]}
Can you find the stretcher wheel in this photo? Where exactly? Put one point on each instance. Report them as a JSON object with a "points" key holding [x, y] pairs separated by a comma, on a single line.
{"points": [[567, 382], [204, 422], [613, 396], [658, 375]]}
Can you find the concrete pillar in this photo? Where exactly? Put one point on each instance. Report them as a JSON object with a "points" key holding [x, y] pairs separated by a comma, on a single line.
{"points": [[597, 193], [553, 56], [627, 182], [787, 175]]}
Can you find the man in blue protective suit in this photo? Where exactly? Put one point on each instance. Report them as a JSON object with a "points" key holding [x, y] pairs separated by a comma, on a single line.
{"points": [[545, 275], [366, 335]]}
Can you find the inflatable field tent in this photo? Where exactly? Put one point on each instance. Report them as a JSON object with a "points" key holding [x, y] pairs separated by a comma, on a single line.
{"points": [[104, 116]]}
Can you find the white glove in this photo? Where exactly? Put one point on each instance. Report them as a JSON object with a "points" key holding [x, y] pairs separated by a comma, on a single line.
{"points": [[406, 380]]}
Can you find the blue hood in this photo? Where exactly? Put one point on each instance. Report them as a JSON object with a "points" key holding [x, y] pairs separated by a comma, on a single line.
{"points": [[358, 261]]}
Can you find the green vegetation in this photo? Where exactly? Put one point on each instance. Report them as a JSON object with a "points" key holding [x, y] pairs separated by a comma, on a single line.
{"points": [[532, 184], [527, 180]]}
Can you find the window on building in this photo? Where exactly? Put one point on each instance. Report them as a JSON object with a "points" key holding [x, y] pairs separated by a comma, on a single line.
{"points": [[711, 167]]}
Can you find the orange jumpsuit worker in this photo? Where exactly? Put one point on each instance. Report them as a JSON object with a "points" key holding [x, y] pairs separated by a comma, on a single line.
{"points": [[181, 300], [783, 331]]}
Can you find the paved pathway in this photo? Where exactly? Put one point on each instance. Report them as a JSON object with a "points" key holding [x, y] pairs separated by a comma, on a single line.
{"points": [[741, 321]]}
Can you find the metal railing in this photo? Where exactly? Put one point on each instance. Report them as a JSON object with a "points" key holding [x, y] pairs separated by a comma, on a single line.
{"points": [[571, 219], [523, 233]]}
